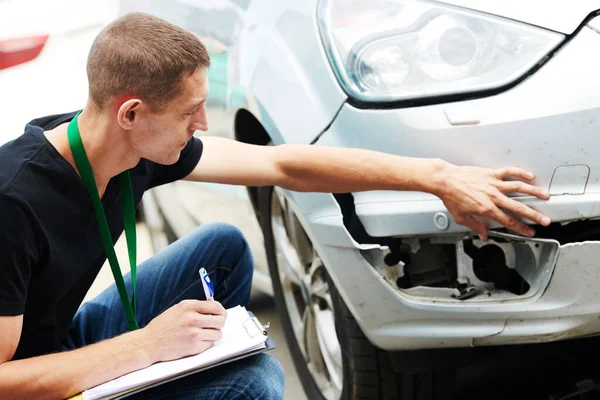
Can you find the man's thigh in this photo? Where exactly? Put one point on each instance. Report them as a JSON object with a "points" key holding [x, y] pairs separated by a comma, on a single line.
{"points": [[255, 377]]}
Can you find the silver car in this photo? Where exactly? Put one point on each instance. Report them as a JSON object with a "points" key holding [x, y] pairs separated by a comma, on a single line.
{"points": [[381, 293]]}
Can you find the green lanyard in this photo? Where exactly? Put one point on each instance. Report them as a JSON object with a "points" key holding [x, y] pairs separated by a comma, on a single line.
{"points": [[85, 169]]}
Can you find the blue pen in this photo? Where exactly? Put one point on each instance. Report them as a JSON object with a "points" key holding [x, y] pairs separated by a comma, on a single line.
{"points": [[209, 290]]}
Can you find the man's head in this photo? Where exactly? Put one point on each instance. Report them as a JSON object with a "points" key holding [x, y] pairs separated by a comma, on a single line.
{"points": [[150, 75]]}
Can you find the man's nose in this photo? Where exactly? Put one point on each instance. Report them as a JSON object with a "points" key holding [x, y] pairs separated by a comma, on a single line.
{"points": [[201, 123]]}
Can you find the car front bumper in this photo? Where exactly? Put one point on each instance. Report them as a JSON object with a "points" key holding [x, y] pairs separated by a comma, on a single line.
{"points": [[393, 319]]}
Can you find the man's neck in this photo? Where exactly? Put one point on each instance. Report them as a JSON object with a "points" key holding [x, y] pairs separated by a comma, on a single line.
{"points": [[107, 146]]}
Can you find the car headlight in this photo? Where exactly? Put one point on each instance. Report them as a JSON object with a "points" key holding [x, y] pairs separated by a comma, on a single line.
{"points": [[390, 50]]}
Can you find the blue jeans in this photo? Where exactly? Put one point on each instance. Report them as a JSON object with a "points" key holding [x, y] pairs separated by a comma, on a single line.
{"points": [[169, 277]]}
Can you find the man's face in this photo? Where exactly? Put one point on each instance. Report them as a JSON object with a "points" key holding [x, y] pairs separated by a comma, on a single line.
{"points": [[163, 135]]}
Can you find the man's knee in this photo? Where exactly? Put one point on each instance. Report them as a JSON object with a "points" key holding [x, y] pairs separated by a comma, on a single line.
{"points": [[225, 237], [267, 378], [222, 233]]}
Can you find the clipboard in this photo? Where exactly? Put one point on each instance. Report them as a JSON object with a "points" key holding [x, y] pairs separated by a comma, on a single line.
{"points": [[253, 329]]}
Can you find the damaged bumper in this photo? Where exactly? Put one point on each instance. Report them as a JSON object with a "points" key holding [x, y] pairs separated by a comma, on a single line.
{"points": [[560, 299]]}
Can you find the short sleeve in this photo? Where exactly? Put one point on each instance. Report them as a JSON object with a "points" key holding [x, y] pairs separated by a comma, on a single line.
{"points": [[17, 254], [189, 158]]}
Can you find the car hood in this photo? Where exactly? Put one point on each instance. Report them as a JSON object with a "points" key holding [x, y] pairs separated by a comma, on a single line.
{"points": [[558, 15]]}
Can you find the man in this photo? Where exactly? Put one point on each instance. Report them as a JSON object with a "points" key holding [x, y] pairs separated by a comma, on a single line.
{"points": [[147, 91]]}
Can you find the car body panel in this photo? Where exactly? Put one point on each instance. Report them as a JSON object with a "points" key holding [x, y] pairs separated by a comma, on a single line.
{"points": [[557, 15], [547, 124], [274, 65]]}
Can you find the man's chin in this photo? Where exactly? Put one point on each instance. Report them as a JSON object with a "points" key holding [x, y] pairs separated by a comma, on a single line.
{"points": [[172, 159]]}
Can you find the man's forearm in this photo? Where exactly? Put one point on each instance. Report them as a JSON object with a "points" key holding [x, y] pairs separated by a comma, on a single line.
{"points": [[340, 170], [65, 374]]}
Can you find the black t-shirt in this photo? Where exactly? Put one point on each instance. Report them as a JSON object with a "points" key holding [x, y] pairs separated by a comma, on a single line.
{"points": [[50, 247]]}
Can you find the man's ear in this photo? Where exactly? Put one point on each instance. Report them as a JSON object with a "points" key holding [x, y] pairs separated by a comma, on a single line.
{"points": [[128, 113]]}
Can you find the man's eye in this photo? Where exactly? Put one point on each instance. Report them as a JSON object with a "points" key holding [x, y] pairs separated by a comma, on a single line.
{"points": [[192, 112]]}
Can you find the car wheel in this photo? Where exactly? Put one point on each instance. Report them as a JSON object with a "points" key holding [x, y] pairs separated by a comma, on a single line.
{"points": [[332, 356]]}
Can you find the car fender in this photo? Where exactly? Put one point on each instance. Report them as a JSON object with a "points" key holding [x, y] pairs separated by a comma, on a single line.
{"points": [[280, 73]]}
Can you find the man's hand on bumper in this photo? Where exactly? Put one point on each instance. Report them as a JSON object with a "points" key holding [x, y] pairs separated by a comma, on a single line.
{"points": [[472, 193]]}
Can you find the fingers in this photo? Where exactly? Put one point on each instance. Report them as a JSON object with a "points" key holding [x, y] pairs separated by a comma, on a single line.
{"points": [[211, 307], [503, 173], [508, 221], [204, 345], [210, 321], [494, 210], [474, 224], [522, 187], [205, 307], [485, 197], [211, 335], [522, 210]]}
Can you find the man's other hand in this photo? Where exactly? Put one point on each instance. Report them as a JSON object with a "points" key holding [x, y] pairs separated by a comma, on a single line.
{"points": [[470, 193]]}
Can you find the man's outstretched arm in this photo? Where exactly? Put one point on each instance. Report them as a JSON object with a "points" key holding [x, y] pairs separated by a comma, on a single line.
{"points": [[469, 193]]}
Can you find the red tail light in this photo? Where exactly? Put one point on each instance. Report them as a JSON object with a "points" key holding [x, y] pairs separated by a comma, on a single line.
{"points": [[21, 50]]}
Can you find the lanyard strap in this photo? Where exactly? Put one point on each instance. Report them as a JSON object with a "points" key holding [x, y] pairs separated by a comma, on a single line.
{"points": [[127, 203]]}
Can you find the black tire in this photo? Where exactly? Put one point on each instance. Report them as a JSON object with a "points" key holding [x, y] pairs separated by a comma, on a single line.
{"points": [[369, 372]]}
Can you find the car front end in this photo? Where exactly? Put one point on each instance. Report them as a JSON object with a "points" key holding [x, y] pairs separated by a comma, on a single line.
{"points": [[472, 89]]}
